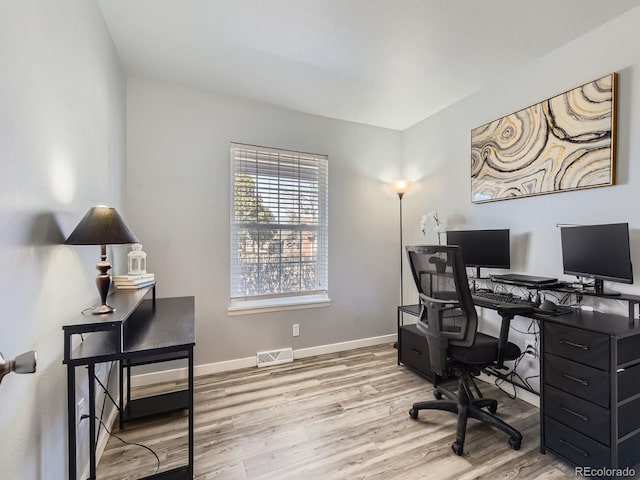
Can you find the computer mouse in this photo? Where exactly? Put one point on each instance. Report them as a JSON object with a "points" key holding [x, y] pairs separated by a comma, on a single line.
{"points": [[548, 306]]}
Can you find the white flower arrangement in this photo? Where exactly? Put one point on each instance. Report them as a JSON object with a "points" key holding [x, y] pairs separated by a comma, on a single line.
{"points": [[423, 224], [435, 220]]}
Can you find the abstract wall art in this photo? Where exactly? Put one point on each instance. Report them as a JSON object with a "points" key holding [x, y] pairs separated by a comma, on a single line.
{"points": [[563, 143]]}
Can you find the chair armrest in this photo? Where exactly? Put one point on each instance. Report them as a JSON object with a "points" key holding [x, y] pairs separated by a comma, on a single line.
{"points": [[440, 301], [444, 305], [507, 311]]}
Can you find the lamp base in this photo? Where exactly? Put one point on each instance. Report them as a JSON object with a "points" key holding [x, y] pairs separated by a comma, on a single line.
{"points": [[102, 309], [103, 282]]}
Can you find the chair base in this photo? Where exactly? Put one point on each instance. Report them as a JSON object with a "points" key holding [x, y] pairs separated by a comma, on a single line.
{"points": [[465, 405]]}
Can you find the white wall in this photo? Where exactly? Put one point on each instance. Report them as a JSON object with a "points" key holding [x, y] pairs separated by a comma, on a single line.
{"points": [[437, 150], [62, 131], [62, 146], [178, 175]]}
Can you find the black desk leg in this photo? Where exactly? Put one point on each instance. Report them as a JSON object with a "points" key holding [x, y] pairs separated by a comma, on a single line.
{"points": [[124, 400], [92, 421], [398, 334], [71, 420], [191, 426], [121, 399]]}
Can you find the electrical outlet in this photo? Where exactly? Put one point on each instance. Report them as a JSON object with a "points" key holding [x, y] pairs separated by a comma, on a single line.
{"points": [[296, 329], [79, 409]]}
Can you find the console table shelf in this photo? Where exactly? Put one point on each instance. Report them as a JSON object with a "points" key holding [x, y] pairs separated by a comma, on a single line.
{"points": [[157, 404]]}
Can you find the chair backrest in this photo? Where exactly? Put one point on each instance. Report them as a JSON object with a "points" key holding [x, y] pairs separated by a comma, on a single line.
{"points": [[448, 315]]}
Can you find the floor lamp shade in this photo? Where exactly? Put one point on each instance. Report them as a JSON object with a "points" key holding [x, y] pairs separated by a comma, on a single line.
{"points": [[102, 226], [401, 187]]}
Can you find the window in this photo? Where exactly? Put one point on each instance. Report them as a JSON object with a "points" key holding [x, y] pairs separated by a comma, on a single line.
{"points": [[279, 228]]}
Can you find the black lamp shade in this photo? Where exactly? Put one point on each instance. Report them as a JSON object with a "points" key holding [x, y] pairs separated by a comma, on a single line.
{"points": [[101, 226]]}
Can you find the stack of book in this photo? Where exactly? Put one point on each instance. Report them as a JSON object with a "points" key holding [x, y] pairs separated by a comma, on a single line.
{"points": [[133, 282]]}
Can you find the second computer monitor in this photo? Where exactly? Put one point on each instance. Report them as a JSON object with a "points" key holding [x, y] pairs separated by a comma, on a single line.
{"points": [[483, 248], [601, 252]]}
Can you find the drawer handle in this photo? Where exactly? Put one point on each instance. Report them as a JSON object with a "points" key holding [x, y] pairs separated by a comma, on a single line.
{"points": [[417, 351], [576, 379], [579, 450], [576, 345], [584, 418]]}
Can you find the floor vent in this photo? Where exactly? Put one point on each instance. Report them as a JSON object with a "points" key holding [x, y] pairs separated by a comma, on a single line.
{"points": [[275, 357]]}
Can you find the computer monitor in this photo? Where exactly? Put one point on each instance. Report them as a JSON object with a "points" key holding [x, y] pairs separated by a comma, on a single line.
{"points": [[482, 248], [600, 252]]}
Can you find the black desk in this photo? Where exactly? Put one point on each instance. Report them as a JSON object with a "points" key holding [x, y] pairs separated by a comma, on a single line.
{"points": [[590, 387], [140, 331]]}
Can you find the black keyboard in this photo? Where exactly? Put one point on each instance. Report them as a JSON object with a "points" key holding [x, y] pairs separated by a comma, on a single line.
{"points": [[495, 298]]}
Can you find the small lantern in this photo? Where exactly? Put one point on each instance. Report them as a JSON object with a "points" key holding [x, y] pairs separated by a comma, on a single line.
{"points": [[137, 260]]}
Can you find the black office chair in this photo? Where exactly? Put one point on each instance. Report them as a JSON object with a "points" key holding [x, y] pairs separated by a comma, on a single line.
{"points": [[449, 321]]}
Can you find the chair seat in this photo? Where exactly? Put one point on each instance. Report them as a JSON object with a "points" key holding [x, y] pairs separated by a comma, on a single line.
{"points": [[483, 352]]}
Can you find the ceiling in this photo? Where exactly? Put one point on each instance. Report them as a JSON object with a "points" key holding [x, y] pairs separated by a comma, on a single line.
{"points": [[389, 63]]}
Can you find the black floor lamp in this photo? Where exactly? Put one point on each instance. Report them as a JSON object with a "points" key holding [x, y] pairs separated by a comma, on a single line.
{"points": [[401, 187]]}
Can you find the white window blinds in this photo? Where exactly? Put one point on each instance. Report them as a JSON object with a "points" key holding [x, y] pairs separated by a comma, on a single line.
{"points": [[279, 223]]}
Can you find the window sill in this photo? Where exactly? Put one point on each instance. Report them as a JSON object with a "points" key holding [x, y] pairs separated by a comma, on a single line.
{"points": [[248, 307]]}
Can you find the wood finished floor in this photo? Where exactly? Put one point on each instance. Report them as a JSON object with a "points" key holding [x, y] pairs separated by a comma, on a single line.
{"points": [[337, 416]]}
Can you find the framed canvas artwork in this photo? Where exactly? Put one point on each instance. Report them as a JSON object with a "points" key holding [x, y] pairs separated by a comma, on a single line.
{"points": [[563, 143]]}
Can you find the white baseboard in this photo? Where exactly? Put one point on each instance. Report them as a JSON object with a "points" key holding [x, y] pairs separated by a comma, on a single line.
{"points": [[343, 346], [238, 363]]}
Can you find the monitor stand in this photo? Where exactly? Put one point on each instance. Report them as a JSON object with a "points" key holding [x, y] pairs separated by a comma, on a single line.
{"points": [[478, 272], [474, 280], [598, 286]]}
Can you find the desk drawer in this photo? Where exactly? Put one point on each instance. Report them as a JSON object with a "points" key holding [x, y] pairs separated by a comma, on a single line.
{"points": [[575, 447], [583, 416], [576, 344], [580, 380], [414, 350]]}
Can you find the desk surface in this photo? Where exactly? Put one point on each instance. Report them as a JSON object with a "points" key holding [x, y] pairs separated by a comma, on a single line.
{"points": [[165, 322], [160, 324], [606, 323], [124, 301]]}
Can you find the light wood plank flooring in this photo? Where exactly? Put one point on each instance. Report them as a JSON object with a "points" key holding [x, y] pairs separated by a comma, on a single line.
{"points": [[338, 416]]}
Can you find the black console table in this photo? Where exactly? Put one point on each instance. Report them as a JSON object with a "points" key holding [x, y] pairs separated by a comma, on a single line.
{"points": [[140, 331]]}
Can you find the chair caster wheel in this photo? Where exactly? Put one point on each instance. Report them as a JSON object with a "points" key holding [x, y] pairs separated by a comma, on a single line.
{"points": [[437, 394], [515, 443], [457, 448], [413, 413]]}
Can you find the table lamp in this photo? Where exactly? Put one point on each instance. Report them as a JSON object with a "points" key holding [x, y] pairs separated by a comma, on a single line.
{"points": [[102, 226]]}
